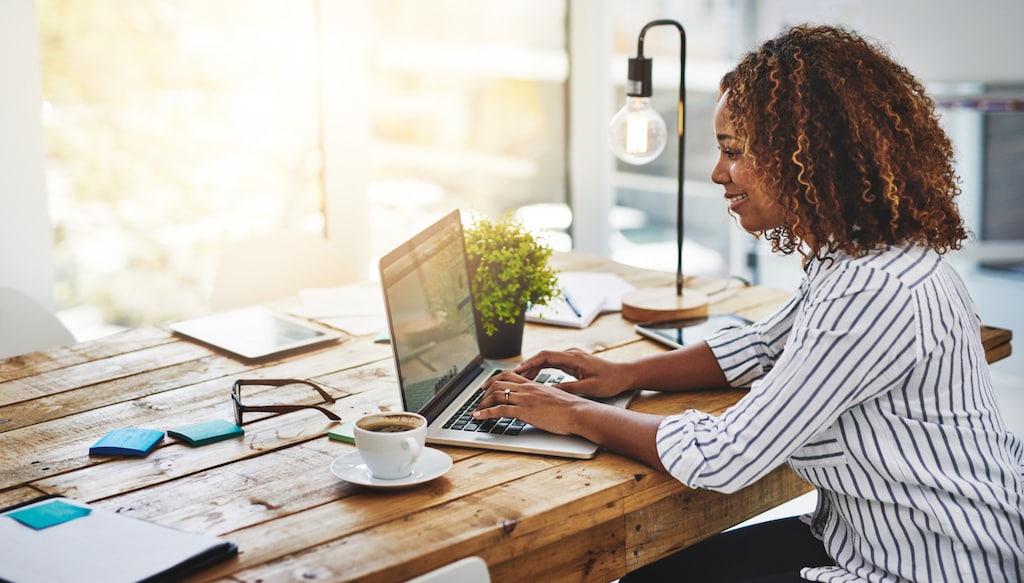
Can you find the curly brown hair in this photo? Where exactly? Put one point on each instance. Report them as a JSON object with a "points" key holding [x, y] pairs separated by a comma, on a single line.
{"points": [[850, 142]]}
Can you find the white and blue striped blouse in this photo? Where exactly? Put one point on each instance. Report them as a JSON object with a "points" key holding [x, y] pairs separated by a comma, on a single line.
{"points": [[872, 384]]}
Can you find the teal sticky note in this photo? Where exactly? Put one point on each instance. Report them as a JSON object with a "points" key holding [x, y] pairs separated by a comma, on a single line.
{"points": [[129, 441], [206, 432], [47, 514]]}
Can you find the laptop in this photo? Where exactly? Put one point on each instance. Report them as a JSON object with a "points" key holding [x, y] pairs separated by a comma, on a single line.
{"points": [[425, 283]]}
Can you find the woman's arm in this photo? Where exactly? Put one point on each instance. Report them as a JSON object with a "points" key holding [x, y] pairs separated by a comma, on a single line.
{"points": [[557, 411], [688, 368], [626, 432], [684, 369]]}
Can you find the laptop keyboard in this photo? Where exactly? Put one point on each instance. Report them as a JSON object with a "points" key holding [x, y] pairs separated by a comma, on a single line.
{"points": [[463, 420]]}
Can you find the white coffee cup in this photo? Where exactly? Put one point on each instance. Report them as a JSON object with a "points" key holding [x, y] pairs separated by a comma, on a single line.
{"points": [[390, 442]]}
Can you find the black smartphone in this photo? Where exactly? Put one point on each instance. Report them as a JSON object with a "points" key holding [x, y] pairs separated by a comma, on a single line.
{"points": [[679, 333]]}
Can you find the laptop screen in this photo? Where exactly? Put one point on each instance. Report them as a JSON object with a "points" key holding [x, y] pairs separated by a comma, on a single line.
{"points": [[430, 311]]}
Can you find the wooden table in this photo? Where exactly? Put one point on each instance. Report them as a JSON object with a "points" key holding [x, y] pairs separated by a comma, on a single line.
{"points": [[271, 492]]}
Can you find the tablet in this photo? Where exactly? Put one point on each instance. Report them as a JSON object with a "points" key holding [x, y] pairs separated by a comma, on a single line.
{"points": [[253, 332], [679, 333]]}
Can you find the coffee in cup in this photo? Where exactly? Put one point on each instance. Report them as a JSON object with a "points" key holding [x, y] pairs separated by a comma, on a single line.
{"points": [[390, 442]]}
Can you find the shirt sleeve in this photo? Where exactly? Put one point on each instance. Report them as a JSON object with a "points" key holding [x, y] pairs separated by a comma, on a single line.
{"points": [[748, 353], [844, 340]]}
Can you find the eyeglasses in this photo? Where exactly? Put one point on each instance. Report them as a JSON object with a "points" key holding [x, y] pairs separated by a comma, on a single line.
{"points": [[236, 397]]}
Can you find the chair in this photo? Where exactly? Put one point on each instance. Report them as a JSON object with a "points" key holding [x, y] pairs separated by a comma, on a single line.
{"points": [[26, 326], [468, 570], [259, 269]]}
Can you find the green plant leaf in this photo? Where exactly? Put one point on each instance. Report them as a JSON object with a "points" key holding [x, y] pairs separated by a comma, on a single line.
{"points": [[509, 269]]}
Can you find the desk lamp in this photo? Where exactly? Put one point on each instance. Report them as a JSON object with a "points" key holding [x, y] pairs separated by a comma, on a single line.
{"points": [[637, 135]]}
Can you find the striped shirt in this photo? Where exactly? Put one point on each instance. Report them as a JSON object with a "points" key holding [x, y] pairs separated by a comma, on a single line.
{"points": [[871, 383]]}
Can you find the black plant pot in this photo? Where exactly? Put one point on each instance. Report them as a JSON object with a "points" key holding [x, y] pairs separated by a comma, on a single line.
{"points": [[505, 343]]}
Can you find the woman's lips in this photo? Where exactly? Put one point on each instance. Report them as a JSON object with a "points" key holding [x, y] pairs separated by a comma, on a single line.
{"points": [[735, 200]]}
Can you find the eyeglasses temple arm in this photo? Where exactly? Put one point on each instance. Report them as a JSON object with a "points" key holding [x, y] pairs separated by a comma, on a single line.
{"points": [[288, 409]]}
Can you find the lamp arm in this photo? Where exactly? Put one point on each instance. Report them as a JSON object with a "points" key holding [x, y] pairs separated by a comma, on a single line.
{"points": [[680, 131]]}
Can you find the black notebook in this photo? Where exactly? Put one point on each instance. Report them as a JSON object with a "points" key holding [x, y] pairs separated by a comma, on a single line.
{"points": [[59, 539]]}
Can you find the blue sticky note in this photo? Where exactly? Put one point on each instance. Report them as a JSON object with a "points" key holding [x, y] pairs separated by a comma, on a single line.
{"points": [[47, 514], [129, 441], [206, 432]]}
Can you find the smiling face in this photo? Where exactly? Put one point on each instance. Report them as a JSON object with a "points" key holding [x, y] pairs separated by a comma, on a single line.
{"points": [[748, 201]]}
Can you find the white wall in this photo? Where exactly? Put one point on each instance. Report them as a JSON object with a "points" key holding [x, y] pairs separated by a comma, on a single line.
{"points": [[591, 166], [952, 40], [345, 39], [26, 235], [938, 40]]}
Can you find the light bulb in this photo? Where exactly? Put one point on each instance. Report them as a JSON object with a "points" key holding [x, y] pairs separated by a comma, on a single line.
{"points": [[637, 134]]}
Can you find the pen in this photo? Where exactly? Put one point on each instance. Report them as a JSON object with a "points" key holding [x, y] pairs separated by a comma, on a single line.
{"points": [[571, 305]]}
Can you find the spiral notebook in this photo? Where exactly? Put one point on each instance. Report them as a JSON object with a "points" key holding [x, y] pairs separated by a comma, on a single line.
{"points": [[584, 296]]}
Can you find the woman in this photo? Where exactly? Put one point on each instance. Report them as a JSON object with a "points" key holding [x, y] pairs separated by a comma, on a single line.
{"points": [[871, 382]]}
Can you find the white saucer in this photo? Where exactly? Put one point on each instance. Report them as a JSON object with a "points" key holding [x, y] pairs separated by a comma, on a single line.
{"points": [[432, 464]]}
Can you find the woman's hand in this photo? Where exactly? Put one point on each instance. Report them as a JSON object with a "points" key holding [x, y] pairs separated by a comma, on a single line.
{"points": [[596, 377], [555, 410], [544, 406]]}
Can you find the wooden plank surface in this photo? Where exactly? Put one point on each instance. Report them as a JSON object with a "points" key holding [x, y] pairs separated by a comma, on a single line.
{"points": [[996, 342], [271, 491]]}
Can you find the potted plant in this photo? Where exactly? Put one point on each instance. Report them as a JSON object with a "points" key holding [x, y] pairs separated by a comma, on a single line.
{"points": [[508, 270]]}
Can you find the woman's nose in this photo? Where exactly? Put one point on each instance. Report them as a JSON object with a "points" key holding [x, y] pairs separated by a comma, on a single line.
{"points": [[720, 173]]}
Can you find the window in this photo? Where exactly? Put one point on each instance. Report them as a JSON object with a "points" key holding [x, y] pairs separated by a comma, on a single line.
{"points": [[173, 127]]}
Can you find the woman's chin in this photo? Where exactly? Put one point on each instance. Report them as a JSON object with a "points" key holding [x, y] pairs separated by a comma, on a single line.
{"points": [[755, 225], [752, 226]]}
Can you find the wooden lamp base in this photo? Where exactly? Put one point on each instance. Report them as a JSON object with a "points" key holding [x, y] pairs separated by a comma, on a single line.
{"points": [[661, 304]]}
